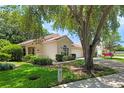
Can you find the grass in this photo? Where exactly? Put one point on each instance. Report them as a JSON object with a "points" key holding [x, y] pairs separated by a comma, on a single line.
{"points": [[45, 76], [77, 63], [19, 77], [121, 55], [118, 59]]}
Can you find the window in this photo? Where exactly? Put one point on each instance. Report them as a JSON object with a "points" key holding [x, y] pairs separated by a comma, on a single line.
{"points": [[65, 50]]}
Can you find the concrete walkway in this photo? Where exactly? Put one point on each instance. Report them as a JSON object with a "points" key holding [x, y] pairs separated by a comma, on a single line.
{"points": [[110, 81]]}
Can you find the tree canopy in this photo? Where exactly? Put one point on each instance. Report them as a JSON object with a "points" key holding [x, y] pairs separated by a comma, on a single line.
{"points": [[14, 24], [110, 40]]}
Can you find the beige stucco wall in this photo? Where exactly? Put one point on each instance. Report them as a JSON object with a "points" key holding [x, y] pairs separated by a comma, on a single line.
{"points": [[50, 49], [61, 42], [39, 50], [77, 51], [47, 49]]}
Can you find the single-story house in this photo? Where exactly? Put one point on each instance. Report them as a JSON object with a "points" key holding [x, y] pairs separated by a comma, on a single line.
{"points": [[51, 45]]}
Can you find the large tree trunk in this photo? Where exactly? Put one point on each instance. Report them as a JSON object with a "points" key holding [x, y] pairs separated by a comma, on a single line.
{"points": [[89, 59], [84, 33]]}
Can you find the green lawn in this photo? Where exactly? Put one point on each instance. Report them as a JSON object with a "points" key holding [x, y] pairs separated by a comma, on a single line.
{"points": [[118, 59], [19, 77], [121, 55]]}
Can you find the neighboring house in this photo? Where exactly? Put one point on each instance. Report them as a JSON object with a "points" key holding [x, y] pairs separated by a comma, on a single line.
{"points": [[51, 45]]}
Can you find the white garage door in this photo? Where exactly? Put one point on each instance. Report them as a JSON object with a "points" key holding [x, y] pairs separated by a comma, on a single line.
{"points": [[77, 52]]}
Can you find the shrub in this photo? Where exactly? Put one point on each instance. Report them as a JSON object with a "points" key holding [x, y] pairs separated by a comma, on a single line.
{"points": [[3, 43], [73, 56], [59, 57], [6, 66], [5, 57], [67, 58], [28, 57], [16, 51], [41, 60]]}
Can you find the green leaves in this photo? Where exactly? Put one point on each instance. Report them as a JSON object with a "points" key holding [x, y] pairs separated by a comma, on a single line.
{"points": [[110, 39], [20, 23]]}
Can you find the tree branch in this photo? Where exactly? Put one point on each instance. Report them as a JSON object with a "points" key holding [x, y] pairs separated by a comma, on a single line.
{"points": [[73, 10], [89, 12], [79, 18], [81, 10], [106, 11]]}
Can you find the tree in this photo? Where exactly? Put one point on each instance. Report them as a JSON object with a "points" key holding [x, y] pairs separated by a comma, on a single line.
{"points": [[10, 26], [83, 20], [111, 40], [89, 22], [14, 26]]}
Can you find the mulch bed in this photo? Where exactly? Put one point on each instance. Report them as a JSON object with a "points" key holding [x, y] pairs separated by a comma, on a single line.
{"points": [[82, 70], [77, 70]]}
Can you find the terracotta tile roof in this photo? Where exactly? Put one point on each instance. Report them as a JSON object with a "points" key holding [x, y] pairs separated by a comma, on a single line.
{"points": [[46, 39], [26, 42], [52, 37]]}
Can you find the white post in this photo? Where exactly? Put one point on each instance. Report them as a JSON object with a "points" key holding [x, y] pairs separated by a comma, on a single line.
{"points": [[26, 50], [59, 73]]}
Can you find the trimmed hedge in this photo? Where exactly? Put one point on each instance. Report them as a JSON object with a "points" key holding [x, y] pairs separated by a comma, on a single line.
{"points": [[16, 51], [5, 57], [73, 56], [6, 66], [40, 60], [67, 58], [59, 57]]}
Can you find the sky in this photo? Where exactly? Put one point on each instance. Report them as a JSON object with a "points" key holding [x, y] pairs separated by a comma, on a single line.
{"points": [[75, 38], [121, 30]]}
